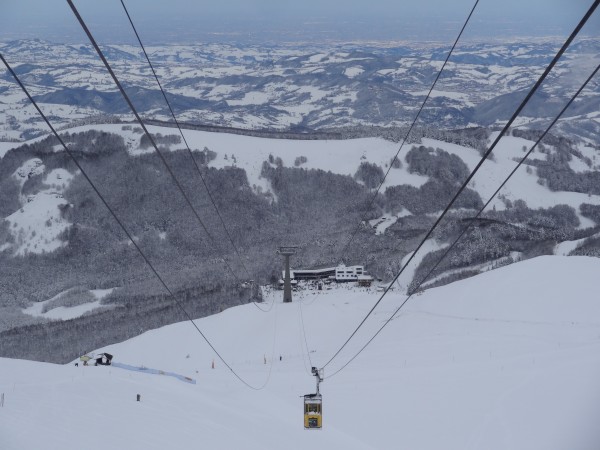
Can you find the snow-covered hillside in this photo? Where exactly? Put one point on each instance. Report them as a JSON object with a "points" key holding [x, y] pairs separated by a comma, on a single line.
{"points": [[38, 225], [345, 156], [505, 360]]}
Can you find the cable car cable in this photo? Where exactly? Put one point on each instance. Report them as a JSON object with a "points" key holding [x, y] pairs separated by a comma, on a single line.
{"points": [[478, 166], [362, 219], [304, 334], [472, 221], [210, 196], [120, 223], [261, 387], [153, 142]]}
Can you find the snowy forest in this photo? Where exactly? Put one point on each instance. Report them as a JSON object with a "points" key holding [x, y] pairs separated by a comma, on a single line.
{"points": [[314, 209]]}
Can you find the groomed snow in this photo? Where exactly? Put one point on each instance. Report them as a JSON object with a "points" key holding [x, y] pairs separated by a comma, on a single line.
{"points": [[509, 359]]}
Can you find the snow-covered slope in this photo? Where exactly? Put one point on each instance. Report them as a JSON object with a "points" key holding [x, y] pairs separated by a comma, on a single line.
{"points": [[36, 226], [505, 360]]}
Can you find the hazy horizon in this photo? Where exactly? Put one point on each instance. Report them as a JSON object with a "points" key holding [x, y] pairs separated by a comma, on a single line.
{"points": [[255, 21]]}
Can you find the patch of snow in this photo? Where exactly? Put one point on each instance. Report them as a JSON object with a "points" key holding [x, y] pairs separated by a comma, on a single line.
{"points": [[430, 245], [99, 294], [522, 185], [384, 222], [58, 179], [63, 312], [251, 98], [352, 72], [578, 165], [566, 247], [37, 226], [5, 147], [28, 169], [483, 267], [221, 90], [67, 312], [462, 97], [584, 222], [316, 58], [316, 94]]}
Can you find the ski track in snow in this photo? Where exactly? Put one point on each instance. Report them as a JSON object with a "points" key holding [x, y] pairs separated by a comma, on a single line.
{"points": [[566, 247], [431, 245]]}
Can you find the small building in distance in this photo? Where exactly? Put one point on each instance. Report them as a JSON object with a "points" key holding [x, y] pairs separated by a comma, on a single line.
{"points": [[340, 274], [365, 280]]}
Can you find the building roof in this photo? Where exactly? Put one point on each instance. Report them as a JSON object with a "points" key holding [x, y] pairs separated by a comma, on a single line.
{"points": [[307, 271]]}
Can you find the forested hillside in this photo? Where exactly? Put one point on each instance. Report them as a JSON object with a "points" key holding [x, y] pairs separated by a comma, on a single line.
{"points": [[60, 246]]}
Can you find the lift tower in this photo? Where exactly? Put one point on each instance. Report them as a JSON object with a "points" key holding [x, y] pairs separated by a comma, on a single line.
{"points": [[286, 252]]}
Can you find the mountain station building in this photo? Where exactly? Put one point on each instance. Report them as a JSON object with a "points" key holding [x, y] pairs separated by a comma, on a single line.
{"points": [[339, 274]]}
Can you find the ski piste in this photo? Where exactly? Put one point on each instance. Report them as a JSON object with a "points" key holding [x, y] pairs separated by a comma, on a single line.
{"points": [[150, 371]]}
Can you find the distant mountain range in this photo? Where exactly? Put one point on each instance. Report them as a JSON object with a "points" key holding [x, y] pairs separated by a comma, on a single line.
{"points": [[306, 87]]}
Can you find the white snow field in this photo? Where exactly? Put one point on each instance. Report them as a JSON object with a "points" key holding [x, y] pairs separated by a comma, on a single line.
{"points": [[509, 359]]}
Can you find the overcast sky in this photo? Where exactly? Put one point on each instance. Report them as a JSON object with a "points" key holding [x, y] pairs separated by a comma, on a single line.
{"points": [[189, 20]]}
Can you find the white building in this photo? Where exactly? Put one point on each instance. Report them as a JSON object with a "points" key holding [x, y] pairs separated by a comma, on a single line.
{"points": [[340, 273], [348, 273]]}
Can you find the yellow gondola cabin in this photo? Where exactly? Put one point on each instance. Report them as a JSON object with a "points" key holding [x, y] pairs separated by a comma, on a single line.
{"points": [[313, 412]]}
